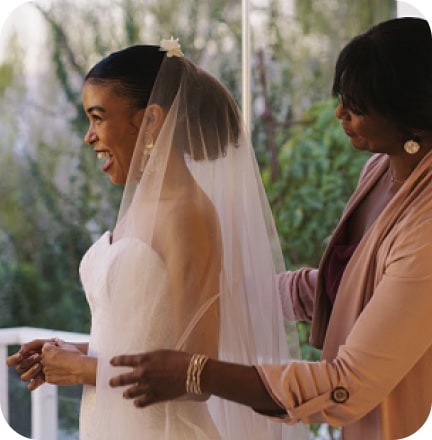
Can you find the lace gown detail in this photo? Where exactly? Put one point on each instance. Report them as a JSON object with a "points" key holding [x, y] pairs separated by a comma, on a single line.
{"points": [[127, 290]]}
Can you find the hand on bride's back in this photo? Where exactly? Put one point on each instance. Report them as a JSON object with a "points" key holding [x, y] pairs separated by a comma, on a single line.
{"points": [[154, 377]]}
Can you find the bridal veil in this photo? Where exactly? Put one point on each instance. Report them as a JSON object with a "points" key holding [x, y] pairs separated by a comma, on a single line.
{"points": [[194, 198]]}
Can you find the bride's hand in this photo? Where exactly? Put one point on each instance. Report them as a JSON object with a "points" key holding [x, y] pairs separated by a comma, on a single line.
{"points": [[62, 363], [155, 377], [27, 363]]}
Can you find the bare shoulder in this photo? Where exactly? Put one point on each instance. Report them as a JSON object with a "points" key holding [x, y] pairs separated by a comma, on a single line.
{"points": [[197, 212], [189, 226]]}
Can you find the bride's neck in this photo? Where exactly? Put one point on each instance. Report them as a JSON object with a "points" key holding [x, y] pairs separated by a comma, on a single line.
{"points": [[177, 180]]}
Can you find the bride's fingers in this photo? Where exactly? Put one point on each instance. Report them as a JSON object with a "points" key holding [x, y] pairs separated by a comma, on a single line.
{"points": [[31, 373], [14, 359], [27, 363], [36, 382]]}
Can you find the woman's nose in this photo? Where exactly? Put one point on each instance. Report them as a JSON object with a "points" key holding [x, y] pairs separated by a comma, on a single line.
{"points": [[340, 111], [90, 137]]}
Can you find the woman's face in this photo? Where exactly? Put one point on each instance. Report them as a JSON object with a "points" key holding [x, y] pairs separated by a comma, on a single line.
{"points": [[113, 130], [371, 132]]}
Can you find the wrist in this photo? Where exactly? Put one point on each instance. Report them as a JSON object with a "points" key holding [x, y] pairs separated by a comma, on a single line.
{"points": [[196, 365], [87, 367]]}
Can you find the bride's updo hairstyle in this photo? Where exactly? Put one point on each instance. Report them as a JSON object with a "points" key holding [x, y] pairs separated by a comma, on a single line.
{"points": [[208, 118], [389, 69]]}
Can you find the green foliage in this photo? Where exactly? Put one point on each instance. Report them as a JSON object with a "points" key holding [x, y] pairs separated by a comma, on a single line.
{"points": [[307, 351], [49, 227], [43, 288], [356, 15], [54, 200], [319, 170], [6, 74]]}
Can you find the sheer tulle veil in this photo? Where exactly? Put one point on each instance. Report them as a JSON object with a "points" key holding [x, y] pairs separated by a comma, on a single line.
{"points": [[194, 196]]}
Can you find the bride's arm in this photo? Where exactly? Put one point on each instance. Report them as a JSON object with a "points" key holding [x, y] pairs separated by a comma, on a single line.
{"points": [[66, 364], [69, 361], [81, 346]]}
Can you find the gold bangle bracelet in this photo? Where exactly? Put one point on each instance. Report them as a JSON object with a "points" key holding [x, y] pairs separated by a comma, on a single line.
{"points": [[193, 376]]}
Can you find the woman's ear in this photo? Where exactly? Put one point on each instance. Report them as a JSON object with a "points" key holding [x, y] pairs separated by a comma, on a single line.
{"points": [[137, 119], [151, 116], [154, 117]]}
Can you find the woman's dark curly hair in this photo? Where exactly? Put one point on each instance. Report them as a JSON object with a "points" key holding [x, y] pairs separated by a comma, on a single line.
{"points": [[389, 69]]}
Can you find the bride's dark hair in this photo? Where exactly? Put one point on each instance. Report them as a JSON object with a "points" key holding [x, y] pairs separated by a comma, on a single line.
{"points": [[131, 71], [212, 118]]}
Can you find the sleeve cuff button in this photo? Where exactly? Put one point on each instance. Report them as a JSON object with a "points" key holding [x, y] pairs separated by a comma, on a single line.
{"points": [[339, 395]]}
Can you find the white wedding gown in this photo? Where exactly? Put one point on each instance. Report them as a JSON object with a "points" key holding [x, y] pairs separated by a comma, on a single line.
{"points": [[126, 288]]}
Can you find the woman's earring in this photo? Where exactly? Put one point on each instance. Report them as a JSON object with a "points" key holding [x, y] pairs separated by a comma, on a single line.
{"points": [[148, 147], [148, 143], [412, 146]]}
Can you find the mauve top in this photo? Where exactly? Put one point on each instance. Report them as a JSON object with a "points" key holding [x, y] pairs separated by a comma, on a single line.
{"points": [[339, 255]]}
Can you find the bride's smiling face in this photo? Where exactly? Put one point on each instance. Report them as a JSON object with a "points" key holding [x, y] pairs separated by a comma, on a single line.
{"points": [[113, 129]]}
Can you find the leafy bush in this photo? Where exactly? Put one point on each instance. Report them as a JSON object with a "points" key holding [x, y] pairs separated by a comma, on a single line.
{"points": [[319, 170]]}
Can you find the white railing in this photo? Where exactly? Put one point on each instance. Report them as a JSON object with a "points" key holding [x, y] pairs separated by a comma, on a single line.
{"points": [[44, 425]]}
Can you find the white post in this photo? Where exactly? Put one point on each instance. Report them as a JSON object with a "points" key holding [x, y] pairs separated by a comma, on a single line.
{"points": [[44, 413], [4, 382], [246, 67], [44, 421]]}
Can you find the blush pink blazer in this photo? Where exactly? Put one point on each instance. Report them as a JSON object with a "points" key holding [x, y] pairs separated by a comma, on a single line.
{"points": [[375, 376]]}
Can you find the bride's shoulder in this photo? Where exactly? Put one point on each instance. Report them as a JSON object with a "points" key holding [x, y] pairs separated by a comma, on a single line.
{"points": [[189, 227], [192, 217]]}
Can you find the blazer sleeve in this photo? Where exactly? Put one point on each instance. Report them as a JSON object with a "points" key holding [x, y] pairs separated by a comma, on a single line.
{"points": [[391, 334], [297, 292]]}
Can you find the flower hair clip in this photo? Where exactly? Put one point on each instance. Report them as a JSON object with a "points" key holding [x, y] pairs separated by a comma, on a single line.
{"points": [[171, 47]]}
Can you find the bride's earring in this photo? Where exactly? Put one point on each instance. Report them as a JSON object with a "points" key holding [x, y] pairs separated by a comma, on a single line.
{"points": [[412, 146], [148, 147]]}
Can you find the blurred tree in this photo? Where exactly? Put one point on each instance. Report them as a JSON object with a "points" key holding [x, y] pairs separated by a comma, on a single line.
{"points": [[319, 170], [295, 52], [56, 202]]}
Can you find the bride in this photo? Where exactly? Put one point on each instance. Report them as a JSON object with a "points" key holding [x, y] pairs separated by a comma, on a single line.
{"points": [[191, 262]]}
